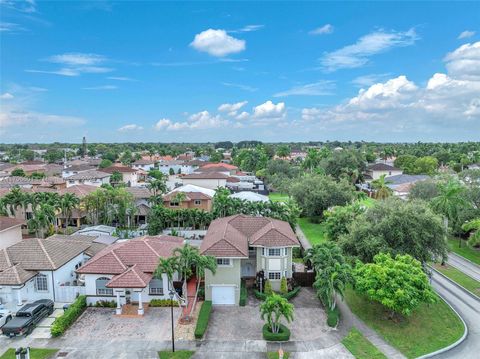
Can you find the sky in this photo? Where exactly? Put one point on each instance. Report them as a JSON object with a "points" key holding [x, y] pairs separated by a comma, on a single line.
{"points": [[209, 71]]}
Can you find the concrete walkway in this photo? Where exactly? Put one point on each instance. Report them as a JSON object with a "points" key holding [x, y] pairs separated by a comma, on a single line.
{"points": [[302, 238], [467, 267]]}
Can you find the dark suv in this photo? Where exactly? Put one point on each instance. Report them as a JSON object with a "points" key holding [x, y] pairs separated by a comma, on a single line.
{"points": [[27, 317]]}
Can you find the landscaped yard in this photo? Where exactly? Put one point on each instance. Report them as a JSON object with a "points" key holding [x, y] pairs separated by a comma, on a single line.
{"points": [[179, 354], [360, 347], [430, 328], [315, 232], [274, 355], [465, 250], [34, 353], [459, 277], [278, 197]]}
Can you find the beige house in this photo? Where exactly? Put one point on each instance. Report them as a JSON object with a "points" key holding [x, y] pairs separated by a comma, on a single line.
{"points": [[129, 175], [210, 180], [243, 246], [377, 170], [10, 231], [195, 197]]}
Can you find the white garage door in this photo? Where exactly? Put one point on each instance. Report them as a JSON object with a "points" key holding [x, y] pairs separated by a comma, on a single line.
{"points": [[223, 295]]}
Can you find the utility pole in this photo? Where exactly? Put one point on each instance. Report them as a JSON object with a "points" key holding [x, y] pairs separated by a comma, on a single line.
{"points": [[84, 147]]}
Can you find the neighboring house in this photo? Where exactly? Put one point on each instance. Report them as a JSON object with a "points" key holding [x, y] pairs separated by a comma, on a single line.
{"points": [[250, 196], [195, 197], [145, 165], [175, 165], [129, 175], [10, 231], [12, 181], [96, 231], [75, 169], [141, 196], [377, 170], [41, 269], [91, 178], [124, 271], [402, 184], [243, 246], [211, 180], [226, 168]]}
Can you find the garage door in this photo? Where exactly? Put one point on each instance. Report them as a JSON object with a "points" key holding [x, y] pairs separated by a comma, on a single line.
{"points": [[223, 295]]}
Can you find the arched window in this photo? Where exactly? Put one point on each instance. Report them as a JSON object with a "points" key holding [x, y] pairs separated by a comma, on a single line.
{"points": [[41, 284], [100, 284]]}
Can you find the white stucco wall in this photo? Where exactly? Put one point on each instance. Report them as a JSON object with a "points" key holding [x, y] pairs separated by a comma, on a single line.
{"points": [[10, 236], [205, 183]]}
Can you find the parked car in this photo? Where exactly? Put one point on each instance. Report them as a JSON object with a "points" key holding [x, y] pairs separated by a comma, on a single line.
{"points": [[5, 316], [28, 317]]}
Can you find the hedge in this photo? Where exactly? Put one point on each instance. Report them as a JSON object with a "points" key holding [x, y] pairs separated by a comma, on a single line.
{"points": [[203, 318], [282, 336], [163, 303], [290, 295], [333, 316], [106, 304], [63, 322], [243, 295]]}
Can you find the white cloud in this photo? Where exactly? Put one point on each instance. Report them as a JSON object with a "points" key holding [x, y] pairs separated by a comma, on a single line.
{"points": [[358, 54], [269, 110], [6, 96], [77, 59], [232, 108], [323, 30], [248, 28], [120, 78], [217, 43], [62, 72], [369, 80], [319, 88], [129, 128], [240, 86], [103, 87], [26, 6], [14, 117], [242, 116], [198, 121], [466, 34], [10, 27], [464, 62]]}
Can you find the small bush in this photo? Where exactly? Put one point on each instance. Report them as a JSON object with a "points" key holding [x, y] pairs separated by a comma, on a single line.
{"points": [[268, 288], [282, 336], [283, 286], [106, 304], [163, 303], [203, 318], [288, 296], [243, 295], [333, 316], [63, 322]]}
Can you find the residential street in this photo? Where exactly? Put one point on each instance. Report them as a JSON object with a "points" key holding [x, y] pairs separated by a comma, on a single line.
{"points": [[469, 309], [465, 266]]}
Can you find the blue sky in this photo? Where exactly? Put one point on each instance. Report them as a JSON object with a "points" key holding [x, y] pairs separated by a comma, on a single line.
{"points": [[272, 71]]}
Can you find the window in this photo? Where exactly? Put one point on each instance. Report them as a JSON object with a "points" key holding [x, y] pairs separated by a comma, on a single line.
{"points": [[41, 283], [101, 288], [156, 287], [274, 252], [173, 204], [223, 261], [197, 202], [274, 275]]}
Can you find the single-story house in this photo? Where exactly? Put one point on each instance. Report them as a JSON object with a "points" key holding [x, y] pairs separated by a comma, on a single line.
{"points": [[10, 231], [377, 170], [124, 271], [91, 178], [243, 246], [211, 180]]}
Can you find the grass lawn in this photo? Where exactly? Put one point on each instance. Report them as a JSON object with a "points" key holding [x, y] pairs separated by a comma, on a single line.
{"points": [[465, 250], [179, 354], [278, 197], [429, 328], [34, 353], [360, 347], [314, 232], [461, 278], [274, 355]]}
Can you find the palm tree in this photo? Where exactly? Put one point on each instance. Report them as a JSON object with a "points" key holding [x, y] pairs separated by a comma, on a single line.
{"points": [[274, 308], [15, 198], [179, 197], [68, 202], [202, 264], [474, 226], [157, 186], [186, 256], [382, 190], [43, 217], [167, 266]]}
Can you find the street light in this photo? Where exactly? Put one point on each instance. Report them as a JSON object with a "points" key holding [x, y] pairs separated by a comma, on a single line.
{"points": [[172, 294]]}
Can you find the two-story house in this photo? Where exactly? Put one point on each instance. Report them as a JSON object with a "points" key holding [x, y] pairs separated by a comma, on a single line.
{"points": [[90, 177], [243, 246]]}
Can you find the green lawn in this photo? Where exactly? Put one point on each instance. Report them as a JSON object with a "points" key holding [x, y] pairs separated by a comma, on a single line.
{"points": [[179, 354], [274, 355], [461, 278], [429, 328], [278, 197], [34, 353], [465, 250], [315, 232], [360, 347]]}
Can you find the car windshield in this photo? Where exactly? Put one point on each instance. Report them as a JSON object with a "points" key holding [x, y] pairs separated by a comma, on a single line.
{"points": [[23, 314]]}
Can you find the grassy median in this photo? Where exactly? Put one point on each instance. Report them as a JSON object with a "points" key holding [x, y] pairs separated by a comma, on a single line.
{"points": [[459, 277], [464, 250], [361, 347]]}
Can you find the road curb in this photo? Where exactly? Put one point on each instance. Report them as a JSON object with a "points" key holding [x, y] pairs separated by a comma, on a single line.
{"points": [[459, 341], [465, 259], [474, 296]]}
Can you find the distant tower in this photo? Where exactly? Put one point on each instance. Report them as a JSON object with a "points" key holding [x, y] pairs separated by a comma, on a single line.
{"points": [[84, 147]]}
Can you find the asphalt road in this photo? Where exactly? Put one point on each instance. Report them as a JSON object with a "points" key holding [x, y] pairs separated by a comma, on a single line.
{"points": [[469, 309], [466, 267]]}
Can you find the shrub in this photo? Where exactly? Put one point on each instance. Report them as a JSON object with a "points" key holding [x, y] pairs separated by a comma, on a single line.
{"points": [[203, 318], [288, 296], [163, 303], [268, 288], [243, 295], [283, 286], [282, 336], [106, 304], [333, 316], [63, 322]]}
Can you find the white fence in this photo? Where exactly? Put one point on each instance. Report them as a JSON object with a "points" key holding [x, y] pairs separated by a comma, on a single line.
{"points": [[68, 293]]}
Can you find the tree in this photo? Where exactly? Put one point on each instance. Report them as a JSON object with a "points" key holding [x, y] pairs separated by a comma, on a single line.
{"points": [[347, 165], [382, 190], [171, 171], [273, 309], [398, 227], [338, 218], [105, 163], [332, 272], [406, 163], [474, 226], [399, 283], [425, 190], [116, 177], [449, 201], [426, 165], [43, 218], [283, 151], [157, 186], [18, 172], [68, 202]]}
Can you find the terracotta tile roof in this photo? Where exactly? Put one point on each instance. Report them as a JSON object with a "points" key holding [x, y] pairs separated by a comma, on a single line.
{"points": [[233, 179], [93, 246], [121, 169], [142, 251], [143, 162], [189, 196], [88, 175], [231, 236], [15, 181], [220, 165], [8, 222], [80, 167], [16, 275], [206, 175], [80, 190], [139, 192], [133, 277]]}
